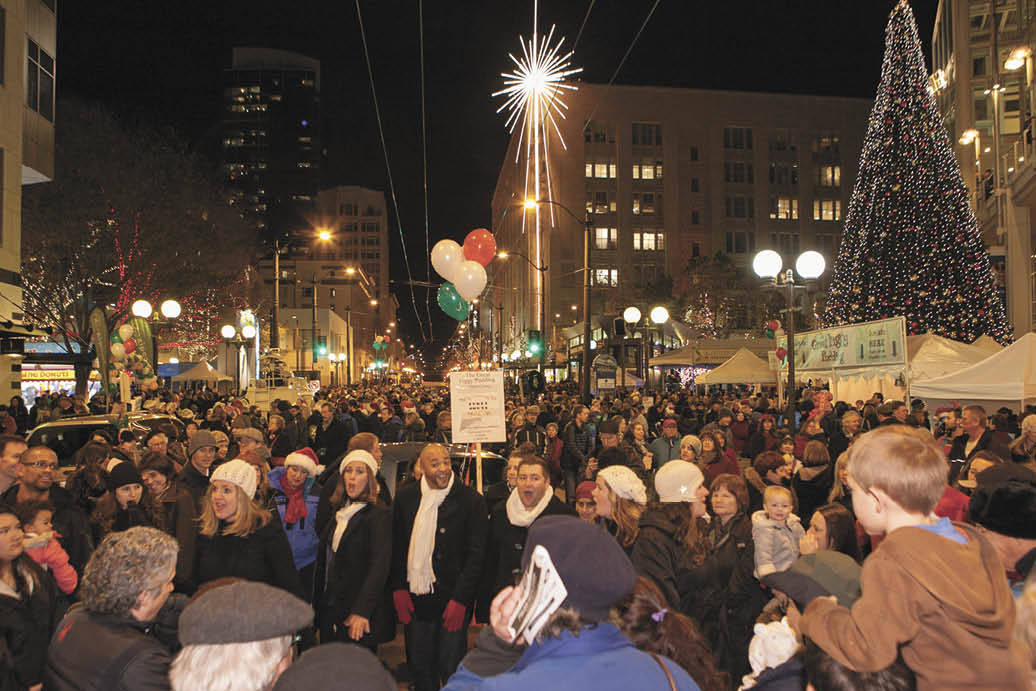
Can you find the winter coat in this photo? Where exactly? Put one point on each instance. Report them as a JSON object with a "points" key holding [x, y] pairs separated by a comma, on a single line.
{"points": [[505, 545], [740, 430], [534, 434], [391, 431], [195, 483], [578, 446], [776, 544], [664, 450], [459, 552], [757, 485], [722, 595], [354, 578], [759, 442], [724, 462], [600, 658], [263, 556], [555, 447], [99, 651], [657, 555], [302, 535], [27, 621], [331, 443], [801, 440], [812, 486], [838, 445], [68, 520], [281, 444], [52, 557], [176, 512], [415, 431]]}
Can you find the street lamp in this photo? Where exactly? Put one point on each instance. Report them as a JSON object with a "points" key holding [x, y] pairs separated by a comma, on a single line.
{"points": [[170, 309], [504, 254], [810, 266], [142, 309], [229, 333]]}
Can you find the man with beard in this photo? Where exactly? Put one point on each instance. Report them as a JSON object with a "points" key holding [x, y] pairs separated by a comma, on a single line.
{"points": [[439, 534], [36, 469]]}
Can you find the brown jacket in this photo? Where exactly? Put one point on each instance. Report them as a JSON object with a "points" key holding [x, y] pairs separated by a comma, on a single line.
{"points": [[947, 605]]}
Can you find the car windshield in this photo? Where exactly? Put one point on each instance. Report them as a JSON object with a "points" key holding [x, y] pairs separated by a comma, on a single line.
{"points": [[65, 441]]}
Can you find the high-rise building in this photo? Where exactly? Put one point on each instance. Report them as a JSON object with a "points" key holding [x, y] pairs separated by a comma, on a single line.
{"points": [[664, 176], [982, 78], [271, 138], [28, 55]]}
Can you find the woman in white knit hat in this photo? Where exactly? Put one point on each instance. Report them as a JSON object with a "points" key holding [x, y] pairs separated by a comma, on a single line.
{"points": [[238, 537], [354, 558], [672, 530], [621, 499]]}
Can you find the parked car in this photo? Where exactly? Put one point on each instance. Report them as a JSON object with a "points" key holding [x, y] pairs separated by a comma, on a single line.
{"points": [[69, 434], [397, 460]]}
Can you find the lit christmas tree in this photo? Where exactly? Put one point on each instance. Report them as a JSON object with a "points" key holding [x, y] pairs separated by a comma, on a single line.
{"points": [[911, 245]]}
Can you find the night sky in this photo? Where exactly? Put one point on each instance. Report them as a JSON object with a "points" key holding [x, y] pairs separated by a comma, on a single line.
{"points": [[164, 61]]}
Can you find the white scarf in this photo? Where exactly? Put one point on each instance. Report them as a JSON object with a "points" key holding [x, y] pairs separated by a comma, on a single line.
{"points": [[343, 516], [419, 571], [522, 517]]}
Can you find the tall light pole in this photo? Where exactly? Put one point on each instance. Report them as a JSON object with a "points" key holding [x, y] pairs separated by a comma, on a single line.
{"points": [[810, 265], [504, 254], [659, 316]]}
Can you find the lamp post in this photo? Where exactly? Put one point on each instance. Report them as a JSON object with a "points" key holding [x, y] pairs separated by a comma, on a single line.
{"points": [[631, 315], [587, 224], [230, 335], [504, 254], [659, 315], [169, 309], [810, 266]]}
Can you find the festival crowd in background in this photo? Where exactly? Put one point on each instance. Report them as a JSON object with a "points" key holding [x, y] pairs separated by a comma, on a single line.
{"points": [[704, 541]]}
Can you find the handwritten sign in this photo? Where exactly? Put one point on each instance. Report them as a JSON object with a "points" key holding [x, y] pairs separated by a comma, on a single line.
{"points": [[477, 407]]}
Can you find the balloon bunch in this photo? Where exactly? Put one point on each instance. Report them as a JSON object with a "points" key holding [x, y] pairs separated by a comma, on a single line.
{"points": [[464, 269], [773, 330], [380, 343], [125, 356]]}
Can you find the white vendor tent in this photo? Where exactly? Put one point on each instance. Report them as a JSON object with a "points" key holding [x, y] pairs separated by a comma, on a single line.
{"points": [[202, 372], [986, 342], [930, 356], [1004, 379], [743, 368]]}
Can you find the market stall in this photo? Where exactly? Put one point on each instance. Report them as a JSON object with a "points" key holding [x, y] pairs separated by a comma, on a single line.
{"points": [[744, 367]]}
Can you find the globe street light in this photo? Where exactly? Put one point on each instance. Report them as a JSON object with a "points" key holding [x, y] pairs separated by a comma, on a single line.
{"points": [[659, 315], [631, 315], [227, 331], [810, 266], [170, 309], [142, 309], [248, 331]]}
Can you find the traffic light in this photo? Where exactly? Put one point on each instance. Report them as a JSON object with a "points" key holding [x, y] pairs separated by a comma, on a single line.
{"points": [[535, 339], [320, 348]]}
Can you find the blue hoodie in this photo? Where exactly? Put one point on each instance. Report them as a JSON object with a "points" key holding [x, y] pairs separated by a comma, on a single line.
{"points": [[302, 536]]}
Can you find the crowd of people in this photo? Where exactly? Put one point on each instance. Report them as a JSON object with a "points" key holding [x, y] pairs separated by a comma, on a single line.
{"points": [[704, 541]]}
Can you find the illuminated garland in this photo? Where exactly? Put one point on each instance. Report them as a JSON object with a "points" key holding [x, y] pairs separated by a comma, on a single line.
{"points": [[911, 245]]}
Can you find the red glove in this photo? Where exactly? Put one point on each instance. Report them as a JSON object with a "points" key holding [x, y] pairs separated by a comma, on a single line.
{"points": [[404, 606], [453, 617]]}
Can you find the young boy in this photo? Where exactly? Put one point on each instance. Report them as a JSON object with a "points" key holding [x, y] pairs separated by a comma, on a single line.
{"points": [[776, 532], [41, 543], [933, 590]]}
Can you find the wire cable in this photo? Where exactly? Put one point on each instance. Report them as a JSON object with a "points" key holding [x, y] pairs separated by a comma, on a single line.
{"points": [[388, 168], [424, 154], [585, 17]]}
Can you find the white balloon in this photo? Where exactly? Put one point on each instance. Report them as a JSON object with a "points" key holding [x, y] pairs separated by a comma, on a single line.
{"points": [[447, 256], [125, 332], [470, 280], [118, 351]]}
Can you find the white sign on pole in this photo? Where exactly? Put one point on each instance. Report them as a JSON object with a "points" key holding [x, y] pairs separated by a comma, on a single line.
{"points": [[477, 407]]}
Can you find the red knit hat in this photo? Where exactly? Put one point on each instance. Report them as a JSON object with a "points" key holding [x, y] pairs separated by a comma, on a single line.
{"points": [[585, 490]]}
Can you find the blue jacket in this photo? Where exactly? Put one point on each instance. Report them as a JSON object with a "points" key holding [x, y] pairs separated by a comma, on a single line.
{"points": [[601, 658], [664, 450], [302, 536]]}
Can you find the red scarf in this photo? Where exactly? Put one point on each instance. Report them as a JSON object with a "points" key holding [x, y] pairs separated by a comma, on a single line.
{"points": [[296, 504]]}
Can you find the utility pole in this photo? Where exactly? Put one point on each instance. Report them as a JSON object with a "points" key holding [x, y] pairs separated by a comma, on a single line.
{"points": [[586, 309]]}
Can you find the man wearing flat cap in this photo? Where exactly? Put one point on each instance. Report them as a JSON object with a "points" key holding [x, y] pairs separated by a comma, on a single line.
{"points": [[1003, 506], [241, 633]]}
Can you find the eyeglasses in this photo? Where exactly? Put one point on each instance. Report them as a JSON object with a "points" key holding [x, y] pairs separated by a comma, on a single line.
{"points": [[41, 465]]}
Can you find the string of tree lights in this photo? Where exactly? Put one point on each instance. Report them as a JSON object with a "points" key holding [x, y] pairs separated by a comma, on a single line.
{"points": [[911, 245]]}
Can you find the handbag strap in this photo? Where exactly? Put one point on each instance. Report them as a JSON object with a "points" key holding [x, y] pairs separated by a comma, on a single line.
{"points": [[665, 668]]}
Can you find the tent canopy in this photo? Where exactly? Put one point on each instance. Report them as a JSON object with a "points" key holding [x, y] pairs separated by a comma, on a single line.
{"points": [[986, 342], [1008, 376], [931, 356], [203, 371], [711, 352], [744, 367]]}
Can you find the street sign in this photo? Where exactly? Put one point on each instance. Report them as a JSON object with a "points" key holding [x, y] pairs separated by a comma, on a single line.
{"points": [[605, 368], [477, 407]]}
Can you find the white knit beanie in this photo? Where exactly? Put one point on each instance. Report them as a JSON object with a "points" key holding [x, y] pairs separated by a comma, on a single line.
{"points": [[238, 472], [361, 456], [303, 461], [678, 481], [625, 483]]}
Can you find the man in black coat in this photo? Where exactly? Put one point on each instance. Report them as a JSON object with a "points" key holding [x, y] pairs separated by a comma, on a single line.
{"points": [[509, 525], [332, 436], [976, 437], [36, 471], [578, 448], [531, 432], [435, 579], [201, 454]]}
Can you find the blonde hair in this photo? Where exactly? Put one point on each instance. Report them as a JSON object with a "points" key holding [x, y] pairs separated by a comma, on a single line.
{"points": [[626, 514], [838, 489], [1025, 621], [849, 415], [772, 491], [903, 462], [248, 518]]}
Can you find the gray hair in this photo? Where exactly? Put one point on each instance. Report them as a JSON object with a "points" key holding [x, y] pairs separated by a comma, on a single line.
{"points": [[248, 666], [126, 565], [849, 415]]}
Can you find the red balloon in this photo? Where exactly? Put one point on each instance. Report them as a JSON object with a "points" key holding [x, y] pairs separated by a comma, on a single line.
{"points": [[480, 246], [130, 345], [781, 352], [773, 325]]}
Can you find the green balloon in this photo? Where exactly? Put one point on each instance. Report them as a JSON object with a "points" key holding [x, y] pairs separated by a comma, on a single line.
{"points": [[452, 303]]}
